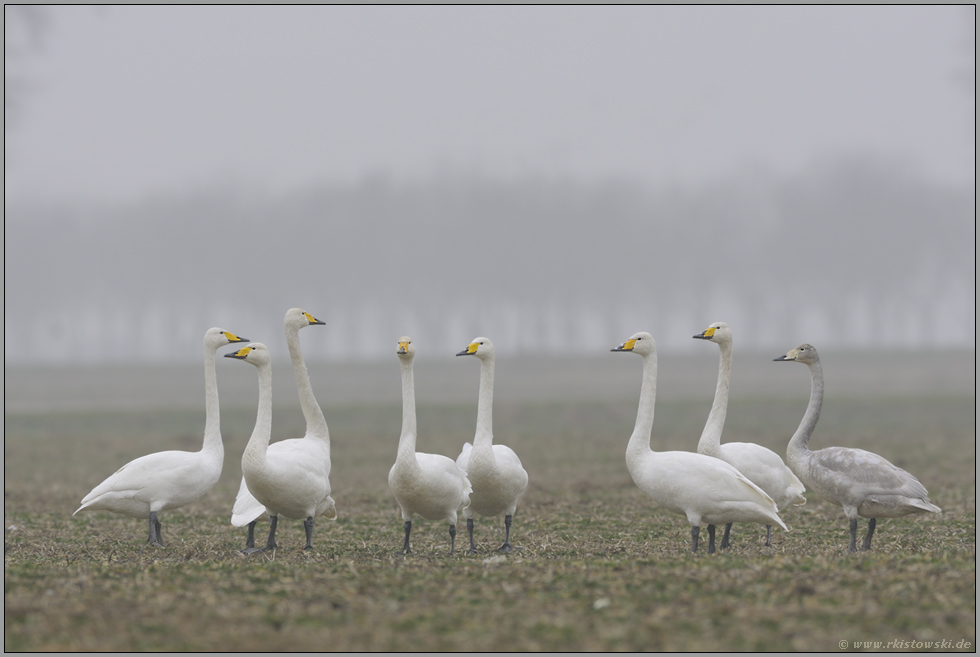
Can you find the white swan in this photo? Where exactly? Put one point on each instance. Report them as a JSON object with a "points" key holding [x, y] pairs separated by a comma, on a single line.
{"points": [[288, 482], [699, 487], [863, 483], [498, 478], [157, 482], [430, 485], [247, 509], [762, 466]]}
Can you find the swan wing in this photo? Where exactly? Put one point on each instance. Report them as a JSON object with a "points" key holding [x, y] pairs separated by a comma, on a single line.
{"points": [[704, 488], [766, 469], [155, 482], [867, 472], [463, 460]]}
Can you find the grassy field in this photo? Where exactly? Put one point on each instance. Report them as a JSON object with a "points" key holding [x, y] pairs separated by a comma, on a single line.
{"points": [[599, 568]]}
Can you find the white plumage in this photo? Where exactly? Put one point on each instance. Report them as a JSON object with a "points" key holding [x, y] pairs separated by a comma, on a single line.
{"points": [[314, 445], [762, 466], [429, 485], [499, 480], [157, 482], [699, 487], [862, 483], [289, 482]]}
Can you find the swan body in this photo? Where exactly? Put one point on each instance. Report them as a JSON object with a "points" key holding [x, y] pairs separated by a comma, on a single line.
{"points": [[429, 485], [499, 480], [762, 466], [289, 482], [862, 483], [314, 445], [699, 487], [167, 480]]}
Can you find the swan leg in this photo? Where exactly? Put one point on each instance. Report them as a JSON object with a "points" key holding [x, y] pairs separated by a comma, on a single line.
{"points": [[308, 526], [506, 546], [250, 539], [768, 535], [711, 539], [469, 528], [408, 531], [270, 544], [854, 528], [871, 530], [154, 537], [724, 539], [695, 530], [452, 540]]}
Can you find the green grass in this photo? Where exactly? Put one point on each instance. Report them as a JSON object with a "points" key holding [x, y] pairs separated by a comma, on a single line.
{"points": [[599, 568]]}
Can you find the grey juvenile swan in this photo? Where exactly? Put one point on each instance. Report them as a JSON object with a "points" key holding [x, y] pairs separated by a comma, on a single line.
{"points": [[863, 483]]}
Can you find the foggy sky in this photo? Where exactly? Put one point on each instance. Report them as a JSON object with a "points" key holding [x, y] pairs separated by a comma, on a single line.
{"points": [[121, 102], [553, 178]]}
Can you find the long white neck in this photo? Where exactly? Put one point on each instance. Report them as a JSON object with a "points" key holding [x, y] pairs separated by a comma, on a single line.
{"points": [[316, 424], [639, 444], [406, 443], [798, 449], [212, 422], [484, 409], [710, 442], [258, 444]]}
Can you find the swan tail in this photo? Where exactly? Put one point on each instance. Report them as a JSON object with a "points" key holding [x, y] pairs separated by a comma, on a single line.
{"points": [[247, 509], [925, 505], [330, 509]]}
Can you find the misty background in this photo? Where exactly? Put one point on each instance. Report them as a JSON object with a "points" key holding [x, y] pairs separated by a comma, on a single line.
{"points": [[553, 178]]}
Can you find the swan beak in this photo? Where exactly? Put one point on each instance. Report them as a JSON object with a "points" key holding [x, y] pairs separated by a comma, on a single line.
{"points": [[231, 337], [470, 350], [312, 320], [790, 355], [626, 346], [707, 334], [241, 354], [402, 348]]}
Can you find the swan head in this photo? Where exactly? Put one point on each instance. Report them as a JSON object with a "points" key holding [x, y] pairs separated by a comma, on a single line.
{"points": [[298, 318], [254, 353], [406, 350], [805, 353], [717, 332], [640, 343], [482, 348], [218, 337]]}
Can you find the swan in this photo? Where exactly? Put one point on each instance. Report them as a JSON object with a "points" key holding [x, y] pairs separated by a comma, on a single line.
{"points": [[700, 487], [430, 485], [247, 509], [157, 482], [863, 483], [762, 466], [499, 480], [291, 481]]}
